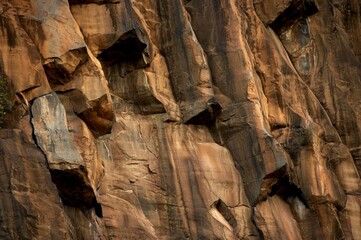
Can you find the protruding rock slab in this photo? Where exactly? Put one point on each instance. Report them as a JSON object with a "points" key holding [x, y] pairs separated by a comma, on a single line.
{"points": [[69, 64], [102, 24], [52, 135], [44, 21], [84, 142], [65, 162], [20, 60], [134, 89]]}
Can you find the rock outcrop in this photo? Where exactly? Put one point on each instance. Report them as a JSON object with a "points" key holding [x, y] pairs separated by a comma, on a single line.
{"points": [[180, 119]]}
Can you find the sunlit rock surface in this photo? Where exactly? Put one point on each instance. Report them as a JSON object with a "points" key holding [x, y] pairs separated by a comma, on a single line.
{"points": [[180, 119]]}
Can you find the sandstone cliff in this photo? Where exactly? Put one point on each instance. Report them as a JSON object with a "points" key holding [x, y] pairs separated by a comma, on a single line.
{"points": [[182, 119]]}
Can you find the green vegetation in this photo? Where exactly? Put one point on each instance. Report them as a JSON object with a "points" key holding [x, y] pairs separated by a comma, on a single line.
{"points": [[5, 103]]}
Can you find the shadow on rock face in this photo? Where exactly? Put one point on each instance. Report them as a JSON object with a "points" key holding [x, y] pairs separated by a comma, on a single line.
{"points": [[74, 189], [207, 116], [298, 9], [127, 53]]}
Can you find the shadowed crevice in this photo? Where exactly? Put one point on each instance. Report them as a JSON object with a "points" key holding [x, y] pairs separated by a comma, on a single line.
{"points": [[127, 52], [207, 116], [75, 190], [226, 213], [298, 9], [59, 71]]}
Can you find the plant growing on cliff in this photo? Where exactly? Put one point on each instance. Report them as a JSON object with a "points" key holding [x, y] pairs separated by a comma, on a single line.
{"points": [[5, 103]]}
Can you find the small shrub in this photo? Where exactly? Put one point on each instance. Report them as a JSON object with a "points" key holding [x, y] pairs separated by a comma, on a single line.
{"points": [[5, 103]]}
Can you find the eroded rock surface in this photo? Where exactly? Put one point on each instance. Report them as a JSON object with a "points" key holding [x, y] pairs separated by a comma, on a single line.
{"points": [[180, 119]]}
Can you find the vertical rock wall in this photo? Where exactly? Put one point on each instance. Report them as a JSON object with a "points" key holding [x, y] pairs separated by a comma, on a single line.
{"points": [[180, 119]]}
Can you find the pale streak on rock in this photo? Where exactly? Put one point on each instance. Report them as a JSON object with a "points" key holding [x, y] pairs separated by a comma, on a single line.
{"points": [[274, 218], [51, 132], [65, 162]]}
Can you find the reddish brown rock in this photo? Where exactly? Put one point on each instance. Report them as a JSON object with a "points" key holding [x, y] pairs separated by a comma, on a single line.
{"points": [[176, 175], [180, 119], [30, 205], [275, 219], [350, 217], [102, 24], [63, 145], [20, 61]]}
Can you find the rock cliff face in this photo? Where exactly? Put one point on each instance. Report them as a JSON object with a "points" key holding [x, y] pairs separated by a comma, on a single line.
{"points": [[183, 119]]}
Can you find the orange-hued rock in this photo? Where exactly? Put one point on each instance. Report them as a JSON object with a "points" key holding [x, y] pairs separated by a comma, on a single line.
{"points": [[64, 152], [20, 59], [30, 205], [350, 217], [180, 119], [172, 175], [52, 134], [68, 63], [102, 24], [275, 219], [43, 22]]}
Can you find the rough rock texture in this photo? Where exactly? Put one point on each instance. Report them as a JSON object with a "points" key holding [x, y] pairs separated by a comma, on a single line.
{"points": [[180, 119]]}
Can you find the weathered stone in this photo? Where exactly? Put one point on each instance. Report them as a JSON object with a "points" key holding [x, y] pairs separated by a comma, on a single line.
{"points": [[85, 144], [350, 217], [275, 219], [134, 89], [20, 60], [159, 164], [180, 119], [43, 22], [30, 205], [52, 134], [87, 225], [68, 63], [281, 14], [64, 161], [333, 76], [102, 24]]}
